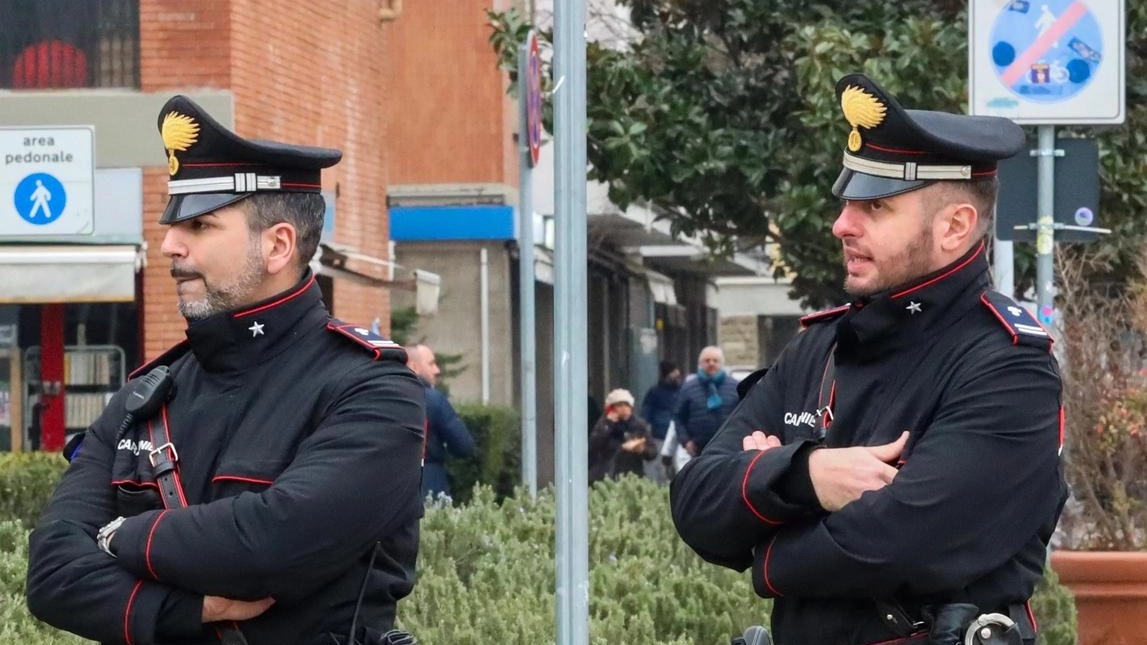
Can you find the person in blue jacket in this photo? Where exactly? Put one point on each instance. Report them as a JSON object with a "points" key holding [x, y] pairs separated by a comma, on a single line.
{"points": [[705, 401], [445, 432]]}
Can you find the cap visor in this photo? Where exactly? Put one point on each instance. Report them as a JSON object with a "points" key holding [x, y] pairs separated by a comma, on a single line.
{"points": [[857, 185], [181, 207]]}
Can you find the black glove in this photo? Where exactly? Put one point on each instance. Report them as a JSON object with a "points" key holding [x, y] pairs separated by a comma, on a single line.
{"points": [[948, 623]]}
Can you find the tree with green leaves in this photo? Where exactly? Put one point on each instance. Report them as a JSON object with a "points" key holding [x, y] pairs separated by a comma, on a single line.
{"points": [[721, 114]]}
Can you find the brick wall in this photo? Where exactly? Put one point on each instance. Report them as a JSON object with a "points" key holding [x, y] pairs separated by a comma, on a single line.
{"points": [[307, 72], [455, 123]]}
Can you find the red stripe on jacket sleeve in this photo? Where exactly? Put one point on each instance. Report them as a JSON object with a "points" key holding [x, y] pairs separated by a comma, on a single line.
{"points": [[147, 550], [127, 613], [745, 492]]}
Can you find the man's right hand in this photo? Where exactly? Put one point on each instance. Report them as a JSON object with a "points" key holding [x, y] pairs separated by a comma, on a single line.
{"points": [[841, 475], [217, 609]]}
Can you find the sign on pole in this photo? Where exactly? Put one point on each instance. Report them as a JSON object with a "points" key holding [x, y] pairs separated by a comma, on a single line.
{"points": [[46, 181], [1047, 62], [533, 89]]}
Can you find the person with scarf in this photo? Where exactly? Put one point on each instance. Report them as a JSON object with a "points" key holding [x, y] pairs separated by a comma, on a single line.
{"points": [[706, 400]]}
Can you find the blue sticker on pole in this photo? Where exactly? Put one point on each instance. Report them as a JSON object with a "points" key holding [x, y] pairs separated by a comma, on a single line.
{"points": [[40, 198], [1046, 51]]}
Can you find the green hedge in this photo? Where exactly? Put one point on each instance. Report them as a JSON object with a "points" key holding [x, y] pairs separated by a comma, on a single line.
{"points": [[486, 575], [497, 431], [27, 480]]}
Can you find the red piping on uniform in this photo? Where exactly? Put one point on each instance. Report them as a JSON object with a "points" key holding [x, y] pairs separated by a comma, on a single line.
{"points": [[1015, 337], [984, 173], [236, 478], [278, 302], [147, 549], [121, 482], [174, 473], [127, 613], [342, 329], [1031, 615], [765, 568], [301, 185], [821, 314], [895, 150], [941, 277], [139, 369], [745, 492]]}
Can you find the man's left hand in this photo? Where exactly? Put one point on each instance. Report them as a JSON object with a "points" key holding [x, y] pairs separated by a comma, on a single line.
{"points": [[760, 441]]}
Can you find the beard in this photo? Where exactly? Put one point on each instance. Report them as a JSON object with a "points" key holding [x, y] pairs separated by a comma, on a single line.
{"points": [[227, 296], [912, 262]]}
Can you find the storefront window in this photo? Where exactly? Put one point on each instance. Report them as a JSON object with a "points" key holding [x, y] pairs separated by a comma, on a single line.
{"points": [[53, 44], [60, 366]]}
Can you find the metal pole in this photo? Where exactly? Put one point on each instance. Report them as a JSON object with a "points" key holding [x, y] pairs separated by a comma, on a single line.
{"points": [[572, 592], [526, 314], [1004, 267], [484, 322], [1045, 233]]}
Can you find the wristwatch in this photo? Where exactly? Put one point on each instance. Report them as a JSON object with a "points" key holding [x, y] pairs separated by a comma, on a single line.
{"points": [[104, 535]]}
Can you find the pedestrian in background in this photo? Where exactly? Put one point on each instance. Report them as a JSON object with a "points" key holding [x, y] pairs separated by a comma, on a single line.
{"points": [[657, 408], [446, 434], [620, 441], [705, 401]]}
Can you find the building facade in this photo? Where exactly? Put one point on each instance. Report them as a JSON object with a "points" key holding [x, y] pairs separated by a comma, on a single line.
{"points": [[303, 72]]}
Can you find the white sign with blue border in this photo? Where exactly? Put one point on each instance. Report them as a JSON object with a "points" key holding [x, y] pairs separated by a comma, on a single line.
{"points": [[46, 181], [1047, 62]]}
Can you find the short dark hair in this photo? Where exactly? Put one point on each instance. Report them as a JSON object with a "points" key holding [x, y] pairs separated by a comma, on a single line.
{"points": [[666, 368], [304, 211], [981, 193]]}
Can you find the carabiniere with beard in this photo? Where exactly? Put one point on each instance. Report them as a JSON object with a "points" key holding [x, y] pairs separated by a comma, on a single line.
{"points": [[257, 484], [894, 476]]}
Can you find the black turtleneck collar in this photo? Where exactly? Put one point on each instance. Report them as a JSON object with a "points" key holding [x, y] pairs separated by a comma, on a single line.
{"points": [[926, 306], [235, 340]]}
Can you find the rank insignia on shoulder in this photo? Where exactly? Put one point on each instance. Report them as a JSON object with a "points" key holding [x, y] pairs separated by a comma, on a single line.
{"points": [[1023, 327], [824, 316], [381, 348]]}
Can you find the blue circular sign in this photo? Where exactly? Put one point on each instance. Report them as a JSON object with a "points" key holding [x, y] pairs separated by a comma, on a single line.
{"points": [[40, 198], [1046, 51]]}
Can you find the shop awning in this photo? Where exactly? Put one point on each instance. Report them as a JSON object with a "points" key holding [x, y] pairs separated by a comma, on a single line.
{"points": [[347, 264], [68, 273]]}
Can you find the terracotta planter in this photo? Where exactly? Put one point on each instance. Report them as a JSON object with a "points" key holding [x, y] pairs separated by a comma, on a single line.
{"points": [[1110, 589]]}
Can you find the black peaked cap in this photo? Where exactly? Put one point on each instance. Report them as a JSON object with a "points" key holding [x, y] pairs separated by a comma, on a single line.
{"points": [[211, 167], [892, 150]]}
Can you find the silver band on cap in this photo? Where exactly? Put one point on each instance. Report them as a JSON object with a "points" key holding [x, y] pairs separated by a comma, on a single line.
{"points": [[240, 182], [906, 171]]}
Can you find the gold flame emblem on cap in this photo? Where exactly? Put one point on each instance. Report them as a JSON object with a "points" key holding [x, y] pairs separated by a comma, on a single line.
{"points": [[862, 110], [179, 132]]}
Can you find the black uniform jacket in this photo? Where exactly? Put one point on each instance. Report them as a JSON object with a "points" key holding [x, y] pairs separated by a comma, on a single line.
{"points": [[299, 442], [979, 489]]}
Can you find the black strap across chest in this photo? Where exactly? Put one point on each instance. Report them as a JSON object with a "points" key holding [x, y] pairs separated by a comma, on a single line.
{"points": [[164, 461]]}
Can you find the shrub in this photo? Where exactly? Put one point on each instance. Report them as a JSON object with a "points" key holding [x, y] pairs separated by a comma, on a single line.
{"points": [[16, 624], [486, 575], [27, 480], [498, 434], [492, 563]]}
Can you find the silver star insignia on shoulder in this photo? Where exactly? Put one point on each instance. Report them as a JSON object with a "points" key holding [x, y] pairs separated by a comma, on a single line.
{"points": [[256, 329], [913, 308]]}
